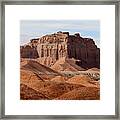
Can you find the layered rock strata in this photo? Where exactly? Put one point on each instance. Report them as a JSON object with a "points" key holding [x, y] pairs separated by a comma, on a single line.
{"points": [[49, 48]]}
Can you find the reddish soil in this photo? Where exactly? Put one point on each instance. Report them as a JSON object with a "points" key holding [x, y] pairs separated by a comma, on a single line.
{"points": [[64, 64], [81, 93], [82, 80], [94, 69], [27, 93], [39, 82]]}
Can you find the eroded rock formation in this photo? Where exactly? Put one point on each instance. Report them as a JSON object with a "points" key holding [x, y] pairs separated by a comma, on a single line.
{"points": [[50, 48], [29, 50]]}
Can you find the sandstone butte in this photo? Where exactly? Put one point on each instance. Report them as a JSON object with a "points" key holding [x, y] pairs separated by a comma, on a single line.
{"points": [[50, 48]]}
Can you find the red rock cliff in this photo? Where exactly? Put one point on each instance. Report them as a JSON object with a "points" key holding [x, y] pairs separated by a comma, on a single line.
{"points": [[50, 48]]}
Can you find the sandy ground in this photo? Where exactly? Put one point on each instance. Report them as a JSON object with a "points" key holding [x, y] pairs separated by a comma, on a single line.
{"points": [[38, 82]]}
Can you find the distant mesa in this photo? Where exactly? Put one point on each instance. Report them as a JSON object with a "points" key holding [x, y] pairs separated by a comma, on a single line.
{"points": [[50, 48]]}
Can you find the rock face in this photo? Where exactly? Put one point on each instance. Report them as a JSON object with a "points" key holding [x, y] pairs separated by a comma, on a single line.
{"points": [[29, 50], [50, 48]]}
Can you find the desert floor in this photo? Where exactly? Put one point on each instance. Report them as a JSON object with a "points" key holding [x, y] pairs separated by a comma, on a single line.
{"points": [[63, 81]]}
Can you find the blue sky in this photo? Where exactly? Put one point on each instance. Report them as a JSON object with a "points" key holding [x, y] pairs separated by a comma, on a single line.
{"points": [[33, 29]]}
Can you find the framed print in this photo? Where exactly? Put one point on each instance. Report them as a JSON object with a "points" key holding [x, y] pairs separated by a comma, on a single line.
{"points": [[60, 60]]}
